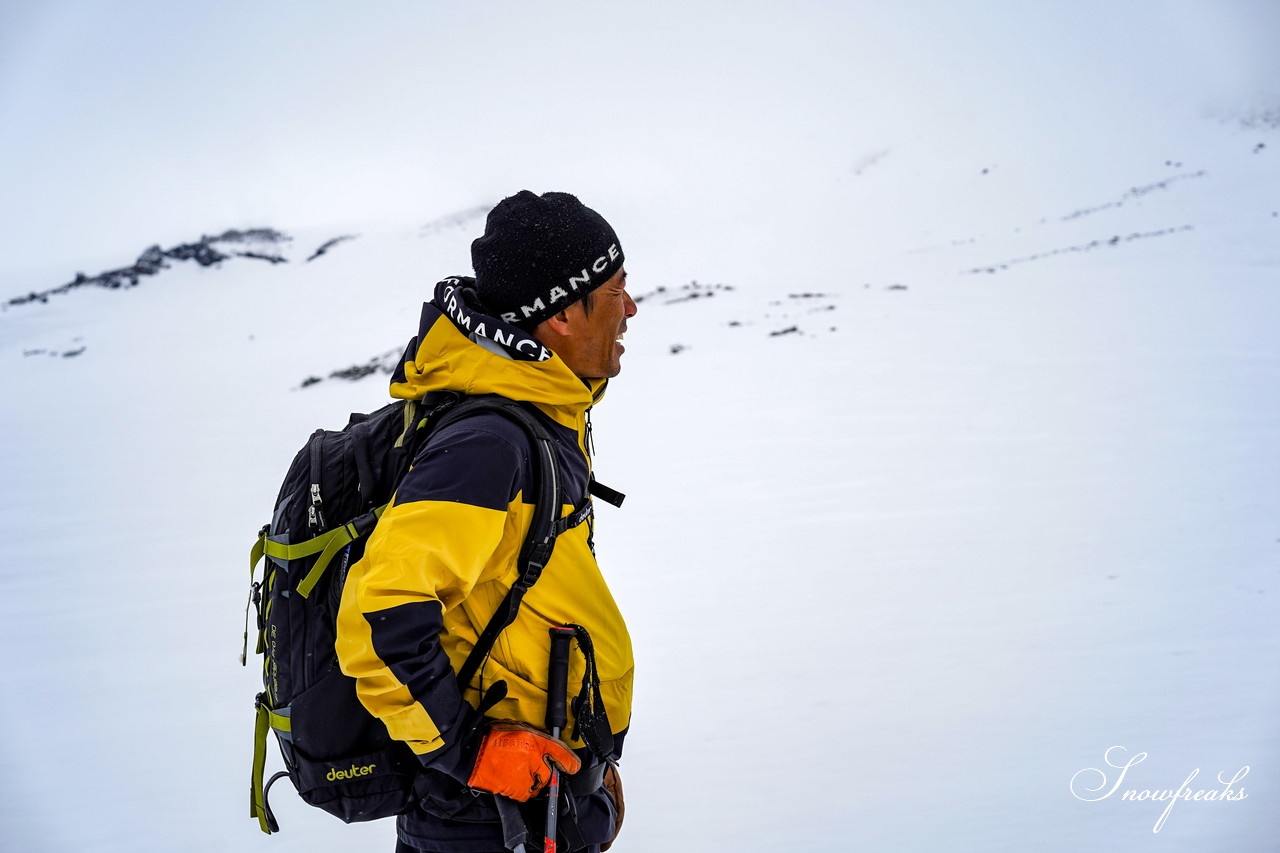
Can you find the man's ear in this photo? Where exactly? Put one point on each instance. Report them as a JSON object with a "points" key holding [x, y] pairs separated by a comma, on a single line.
{"points": [[558, 323]]}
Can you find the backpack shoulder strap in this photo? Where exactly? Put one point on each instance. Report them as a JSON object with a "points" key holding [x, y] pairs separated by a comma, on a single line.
{"points": [[543, 529]]}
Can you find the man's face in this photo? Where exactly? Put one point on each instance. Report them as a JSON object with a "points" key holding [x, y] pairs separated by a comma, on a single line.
{"points": [[592, 348]]}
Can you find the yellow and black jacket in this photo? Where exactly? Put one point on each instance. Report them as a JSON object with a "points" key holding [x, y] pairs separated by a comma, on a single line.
{"points": [[444, 554]]}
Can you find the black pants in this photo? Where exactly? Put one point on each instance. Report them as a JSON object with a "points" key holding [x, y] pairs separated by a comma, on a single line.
{"points": [[401, 847]]}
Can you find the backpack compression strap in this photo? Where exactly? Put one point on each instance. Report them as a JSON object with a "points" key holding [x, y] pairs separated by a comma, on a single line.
{"points": [[327, 545], [258, 805]]}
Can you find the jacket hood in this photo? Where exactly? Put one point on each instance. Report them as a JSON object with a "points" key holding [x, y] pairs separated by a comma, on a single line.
{"points": [[461, 347]]}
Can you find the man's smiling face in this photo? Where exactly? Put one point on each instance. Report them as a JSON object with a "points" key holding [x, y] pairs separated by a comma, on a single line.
{"points": [[592, 348]]}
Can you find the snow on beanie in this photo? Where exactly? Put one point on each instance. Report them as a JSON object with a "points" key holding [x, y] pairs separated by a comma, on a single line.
{"points": [[540, 254]]}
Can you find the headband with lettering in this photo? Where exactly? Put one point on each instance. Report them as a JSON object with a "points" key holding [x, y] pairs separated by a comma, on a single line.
{"points": [[540, 254]]}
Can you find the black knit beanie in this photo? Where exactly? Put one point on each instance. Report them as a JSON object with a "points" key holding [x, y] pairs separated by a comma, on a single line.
{"points": [[540, 254]]}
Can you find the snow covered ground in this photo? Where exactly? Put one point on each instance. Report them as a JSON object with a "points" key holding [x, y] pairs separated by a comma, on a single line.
{"points": [[959, 469]]}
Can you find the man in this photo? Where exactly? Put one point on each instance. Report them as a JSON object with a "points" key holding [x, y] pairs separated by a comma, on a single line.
{"points": [[540, 323]]}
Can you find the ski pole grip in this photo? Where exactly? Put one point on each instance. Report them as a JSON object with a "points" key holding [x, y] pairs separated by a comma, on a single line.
{"points": [[558, 679]]}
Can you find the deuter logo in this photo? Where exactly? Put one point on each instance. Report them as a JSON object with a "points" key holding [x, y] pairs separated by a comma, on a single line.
{"points": [[336, 775]]}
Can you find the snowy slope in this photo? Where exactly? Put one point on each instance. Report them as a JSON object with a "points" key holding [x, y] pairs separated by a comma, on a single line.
{"points": [[894, 576]]}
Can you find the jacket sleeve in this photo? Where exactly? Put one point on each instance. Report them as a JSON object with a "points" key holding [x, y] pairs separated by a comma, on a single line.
{"points": [[428, 552]]}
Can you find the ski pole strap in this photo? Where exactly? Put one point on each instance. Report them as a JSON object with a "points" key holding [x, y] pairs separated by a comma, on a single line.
{"points": [[591, 721]]}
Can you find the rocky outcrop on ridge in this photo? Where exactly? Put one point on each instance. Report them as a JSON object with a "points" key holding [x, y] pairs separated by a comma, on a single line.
{"points": [[256, 243]]}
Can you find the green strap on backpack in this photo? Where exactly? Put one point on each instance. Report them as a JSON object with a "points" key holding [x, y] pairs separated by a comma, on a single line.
{"points": [[327, 545]]}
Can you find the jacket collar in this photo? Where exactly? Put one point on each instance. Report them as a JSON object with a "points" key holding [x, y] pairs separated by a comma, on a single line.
{"points": [[461, 347]]}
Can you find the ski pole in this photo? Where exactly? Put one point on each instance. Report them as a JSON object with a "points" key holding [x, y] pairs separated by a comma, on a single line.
{"points": [[557, 719]]}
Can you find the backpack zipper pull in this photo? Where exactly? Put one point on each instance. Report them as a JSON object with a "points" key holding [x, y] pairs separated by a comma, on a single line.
{"points": [[315, 518]]}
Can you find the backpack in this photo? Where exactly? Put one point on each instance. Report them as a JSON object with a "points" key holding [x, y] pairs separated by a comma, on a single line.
{"points": [[339, 756]]}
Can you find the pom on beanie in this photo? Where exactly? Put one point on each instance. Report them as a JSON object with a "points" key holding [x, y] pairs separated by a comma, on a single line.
{"points": [[540, 254]]}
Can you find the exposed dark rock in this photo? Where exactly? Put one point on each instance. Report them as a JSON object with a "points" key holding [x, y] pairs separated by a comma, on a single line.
{"points": [[1131, 194], [1083, 247], [384, 364], [202, 253], [330, 244], [250, 235], [153, 260], [355, 371], [686, 293], [274, 259], [150, 262], [1267, 116]]}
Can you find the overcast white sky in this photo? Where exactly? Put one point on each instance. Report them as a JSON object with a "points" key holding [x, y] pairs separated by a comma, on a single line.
{"points": [[129, 123]]}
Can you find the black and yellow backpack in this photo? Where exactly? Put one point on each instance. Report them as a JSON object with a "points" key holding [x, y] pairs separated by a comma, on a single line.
{"points": [[338, 756]]}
